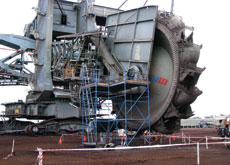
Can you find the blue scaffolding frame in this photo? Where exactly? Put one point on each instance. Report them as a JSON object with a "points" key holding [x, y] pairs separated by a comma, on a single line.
{"points": [[105, 93]]}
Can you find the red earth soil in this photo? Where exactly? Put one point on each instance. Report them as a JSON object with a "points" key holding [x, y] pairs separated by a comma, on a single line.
{"points": [[25, 153]]}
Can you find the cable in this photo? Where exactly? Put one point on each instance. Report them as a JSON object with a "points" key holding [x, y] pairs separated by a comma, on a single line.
{"points": [[122, 4], [17, 50], [60, 7], [145, 2]]}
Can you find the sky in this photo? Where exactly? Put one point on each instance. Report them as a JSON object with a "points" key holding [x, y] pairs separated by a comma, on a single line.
{"points": [[210, 18]]}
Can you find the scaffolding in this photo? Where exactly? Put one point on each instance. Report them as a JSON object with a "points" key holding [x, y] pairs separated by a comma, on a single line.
{"points": [[120, 93]]}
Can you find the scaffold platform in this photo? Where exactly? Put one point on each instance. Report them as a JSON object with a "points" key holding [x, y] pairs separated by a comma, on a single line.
{"points": [[116, 91]]}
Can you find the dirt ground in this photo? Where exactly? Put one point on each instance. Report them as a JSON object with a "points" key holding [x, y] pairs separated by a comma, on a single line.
{"points": [[25, 147]]}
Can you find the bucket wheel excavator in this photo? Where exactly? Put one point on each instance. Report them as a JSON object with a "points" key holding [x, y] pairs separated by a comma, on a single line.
{"points": [[65, 36]]}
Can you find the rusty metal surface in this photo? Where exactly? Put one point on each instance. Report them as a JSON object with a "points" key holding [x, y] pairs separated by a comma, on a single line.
{"points": [[83, 34]]}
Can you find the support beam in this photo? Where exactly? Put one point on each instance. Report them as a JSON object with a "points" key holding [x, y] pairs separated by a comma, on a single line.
{"points": [[43, 80]]}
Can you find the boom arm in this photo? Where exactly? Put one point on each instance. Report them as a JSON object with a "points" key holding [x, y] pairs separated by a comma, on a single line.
{"points": [[12, 68]]}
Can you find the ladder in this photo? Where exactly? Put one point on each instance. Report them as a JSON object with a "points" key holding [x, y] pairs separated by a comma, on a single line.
{"points": [[89, 111]]}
